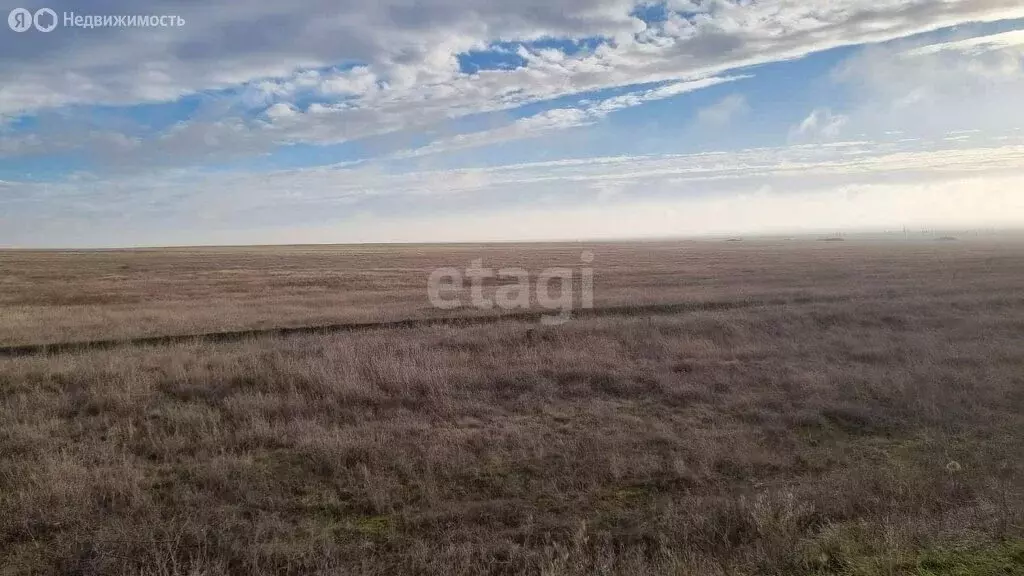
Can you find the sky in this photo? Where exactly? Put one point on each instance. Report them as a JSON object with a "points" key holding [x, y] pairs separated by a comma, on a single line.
{"points": [[337, 121]]}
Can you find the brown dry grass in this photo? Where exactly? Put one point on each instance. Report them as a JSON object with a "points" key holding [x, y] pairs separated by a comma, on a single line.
{"points": [[50, 297], [877, 432]]}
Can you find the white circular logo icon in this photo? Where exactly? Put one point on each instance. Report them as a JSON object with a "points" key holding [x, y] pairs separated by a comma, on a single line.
{"points": [[20, 19], [45, 20]]}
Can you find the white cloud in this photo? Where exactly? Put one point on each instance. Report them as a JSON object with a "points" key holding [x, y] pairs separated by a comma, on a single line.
{"points": [[359, 81], [974, 84], [820, 123], [280, 110], [723, 112], [563, 118], [282, 123], [978, 45], [409, 76]]}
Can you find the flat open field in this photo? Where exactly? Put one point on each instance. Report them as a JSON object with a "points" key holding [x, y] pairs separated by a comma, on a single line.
{"points": [[773, 407], [88, 295]]}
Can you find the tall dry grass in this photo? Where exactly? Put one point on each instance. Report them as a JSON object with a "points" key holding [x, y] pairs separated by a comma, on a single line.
{"points": [[878, 433]]}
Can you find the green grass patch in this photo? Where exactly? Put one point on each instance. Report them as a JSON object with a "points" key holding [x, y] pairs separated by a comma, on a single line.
{"points": [[842, 557]]}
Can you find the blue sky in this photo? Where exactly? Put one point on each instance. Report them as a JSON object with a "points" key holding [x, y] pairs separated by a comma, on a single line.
{"points": [[555, 119]]}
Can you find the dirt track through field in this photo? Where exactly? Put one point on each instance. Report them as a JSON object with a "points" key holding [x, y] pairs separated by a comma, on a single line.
{"points": [[458, 321]]}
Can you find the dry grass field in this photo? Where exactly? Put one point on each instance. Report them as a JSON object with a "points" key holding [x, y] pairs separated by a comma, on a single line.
{"points": [[837, 408], [68, 296]]}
